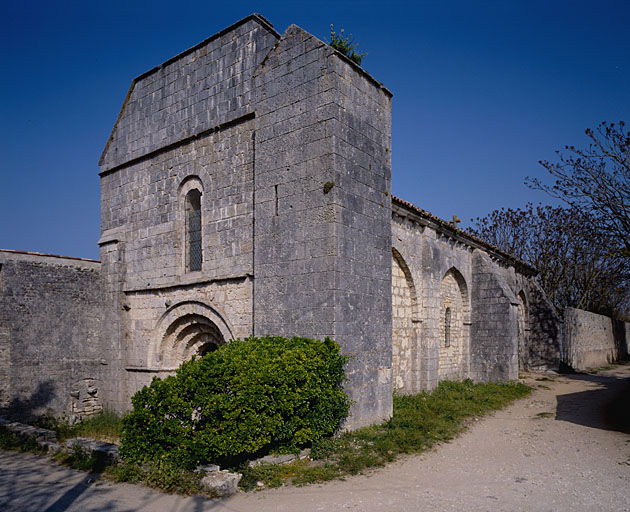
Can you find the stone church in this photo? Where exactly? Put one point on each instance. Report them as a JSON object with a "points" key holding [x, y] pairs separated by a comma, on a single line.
{"points": [[246, 189]]}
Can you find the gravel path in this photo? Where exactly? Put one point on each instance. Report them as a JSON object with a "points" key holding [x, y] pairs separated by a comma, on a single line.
{"points": [[565, 448]]}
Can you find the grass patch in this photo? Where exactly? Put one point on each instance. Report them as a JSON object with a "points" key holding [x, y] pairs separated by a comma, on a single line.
{"points": [[418, 423], [160, 476], [299, 473], [545, 415], [105, 426], [544, 379]]}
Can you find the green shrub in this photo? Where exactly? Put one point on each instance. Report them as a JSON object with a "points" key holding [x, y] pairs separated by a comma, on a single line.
{"points": [[246, 397]]}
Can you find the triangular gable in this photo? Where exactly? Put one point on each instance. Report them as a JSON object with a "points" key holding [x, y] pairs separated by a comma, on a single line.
{"points": [[188, 93]]}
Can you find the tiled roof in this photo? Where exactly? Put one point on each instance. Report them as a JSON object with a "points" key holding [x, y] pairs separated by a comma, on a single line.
{"points": [[464, 234]]}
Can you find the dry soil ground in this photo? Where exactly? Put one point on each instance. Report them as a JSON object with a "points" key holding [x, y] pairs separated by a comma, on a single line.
{"points": [[565, 448]]}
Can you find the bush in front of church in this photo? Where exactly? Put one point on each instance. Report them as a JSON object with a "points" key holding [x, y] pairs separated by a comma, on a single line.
{"points": [[245, 398]]}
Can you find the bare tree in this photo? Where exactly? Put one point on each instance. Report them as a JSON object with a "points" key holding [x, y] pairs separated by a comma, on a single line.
{"points": [[579, 264], [596, 179]]}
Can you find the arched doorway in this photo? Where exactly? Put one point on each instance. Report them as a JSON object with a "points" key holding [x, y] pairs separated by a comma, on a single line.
{"points": [[188, 336], [187, 329]]}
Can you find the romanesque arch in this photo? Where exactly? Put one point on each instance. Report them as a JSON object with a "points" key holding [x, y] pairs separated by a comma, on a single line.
{"points": [[523, 329], [454, 326], [186, 329], [404, 325]]}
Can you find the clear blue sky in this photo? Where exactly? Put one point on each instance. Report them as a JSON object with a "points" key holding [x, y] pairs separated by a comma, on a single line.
{"points": [[482, 91]]}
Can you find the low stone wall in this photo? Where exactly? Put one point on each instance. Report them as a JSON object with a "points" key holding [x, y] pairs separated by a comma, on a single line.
{"points": [[594, 340], [51, 355]]}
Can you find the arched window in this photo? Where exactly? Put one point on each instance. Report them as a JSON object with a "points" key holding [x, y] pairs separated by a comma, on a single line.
{"points": [[447, 327], [194, 253]]}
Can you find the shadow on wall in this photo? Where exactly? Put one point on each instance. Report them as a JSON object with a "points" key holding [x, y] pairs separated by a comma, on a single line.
{"points": [[605, 407], [622, 343], [545, 336], [24, 409]]}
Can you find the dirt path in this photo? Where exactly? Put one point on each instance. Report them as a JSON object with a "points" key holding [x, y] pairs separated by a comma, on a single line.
{"points": [[565, 448]]}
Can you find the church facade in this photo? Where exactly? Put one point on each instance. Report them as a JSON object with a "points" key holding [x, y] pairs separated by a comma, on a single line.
{"points": [[246, 189]]}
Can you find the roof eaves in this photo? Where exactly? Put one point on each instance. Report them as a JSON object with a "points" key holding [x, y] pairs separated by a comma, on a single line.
{"points": [[445, 225]]}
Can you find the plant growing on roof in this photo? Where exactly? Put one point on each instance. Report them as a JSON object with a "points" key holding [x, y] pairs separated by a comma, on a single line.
{"points": [[345, 45]]}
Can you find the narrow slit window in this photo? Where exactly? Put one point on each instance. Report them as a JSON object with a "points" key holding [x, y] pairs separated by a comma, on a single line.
{"points": [[193, 230], [447, 327]]}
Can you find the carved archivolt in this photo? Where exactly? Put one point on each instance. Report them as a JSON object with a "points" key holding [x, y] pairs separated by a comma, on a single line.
{"points": [[187, 329]]}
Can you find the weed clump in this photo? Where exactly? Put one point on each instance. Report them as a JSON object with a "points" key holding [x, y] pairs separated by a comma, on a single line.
{"points": [[345, 45]]}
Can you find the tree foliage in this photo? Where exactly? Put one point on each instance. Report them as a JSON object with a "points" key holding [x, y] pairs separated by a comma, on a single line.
{"points": [[246, 396], [579, 264], [596, 179], [345, 45]]}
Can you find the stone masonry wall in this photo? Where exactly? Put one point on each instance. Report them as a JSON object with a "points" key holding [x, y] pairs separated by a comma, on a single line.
{"points": [[494, 337], [143, 242], [591, 339], [52, 352], [142, 207], [186, 124], [363, 273], [448, 270], [453, 363], [404, 348], [322, 256], [206, 86], [431, 257], [545, 338]]}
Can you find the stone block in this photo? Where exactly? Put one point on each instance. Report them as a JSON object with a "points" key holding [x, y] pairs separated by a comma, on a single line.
{"points": [[221, 483]]}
